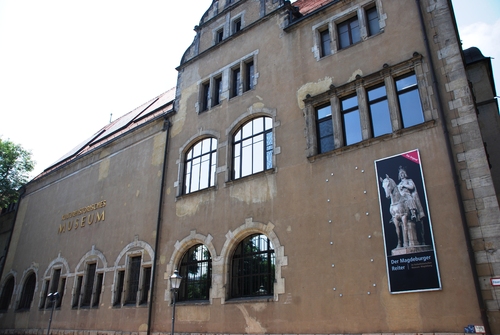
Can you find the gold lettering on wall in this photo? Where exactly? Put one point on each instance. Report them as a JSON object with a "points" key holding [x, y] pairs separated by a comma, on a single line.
{"points": [[82, 220]]}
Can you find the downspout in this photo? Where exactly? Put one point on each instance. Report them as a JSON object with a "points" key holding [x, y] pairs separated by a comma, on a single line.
{"points": [[456, 182], [166, 127], [22, 190]]}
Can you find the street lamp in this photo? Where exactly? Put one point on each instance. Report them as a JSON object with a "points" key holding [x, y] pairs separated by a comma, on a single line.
{"points": [[175, 282], [53, 299]]}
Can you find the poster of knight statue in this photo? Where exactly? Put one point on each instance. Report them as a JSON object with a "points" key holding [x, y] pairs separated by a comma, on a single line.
{"points": [[409, 244]]}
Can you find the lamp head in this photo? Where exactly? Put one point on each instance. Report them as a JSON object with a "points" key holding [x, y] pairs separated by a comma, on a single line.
{"points": [[175, 280]]}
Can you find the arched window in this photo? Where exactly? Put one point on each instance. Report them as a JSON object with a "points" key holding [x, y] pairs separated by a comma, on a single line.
{"points": [[253, 267], [7, 291], [253, 147], [27, 292], [196, 271], [200, 165]]}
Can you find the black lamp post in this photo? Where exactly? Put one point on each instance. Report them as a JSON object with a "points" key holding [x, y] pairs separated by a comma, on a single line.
{"points": [[175, 283], [53, 299]]}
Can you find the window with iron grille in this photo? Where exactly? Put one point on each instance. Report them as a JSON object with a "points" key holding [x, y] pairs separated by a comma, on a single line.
{"points": [[253, 268], [89, 284], [7, 291], [27, 292], [196, 271], [119, 288], [253, 147], [133, 279], [200, 165], [77, 292]]}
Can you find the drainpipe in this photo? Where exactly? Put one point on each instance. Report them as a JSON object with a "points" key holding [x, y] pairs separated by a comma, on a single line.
{"points": [[166, 127], [451, 159]]}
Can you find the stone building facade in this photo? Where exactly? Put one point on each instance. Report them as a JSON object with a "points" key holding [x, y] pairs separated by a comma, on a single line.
{"points": [[320, 169]]}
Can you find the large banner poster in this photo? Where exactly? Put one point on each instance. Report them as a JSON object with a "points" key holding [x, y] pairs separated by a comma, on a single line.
{"points": [[409, 244]]}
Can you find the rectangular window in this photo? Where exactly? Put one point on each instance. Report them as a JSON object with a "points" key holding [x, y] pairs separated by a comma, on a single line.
{"points": [[372, 18], [45, 291], [78, 290], [145, 285], [351, 120], [205, 91], [219, 35], [54, 286], [325, 40], [409, 101], [324, 128], [133, 279], [379, 111], [61, 292], [119, 288], [89, 285], [236, 25], [98, 289], [349, 32], [236, 81], [249, 76], [217, 91]]}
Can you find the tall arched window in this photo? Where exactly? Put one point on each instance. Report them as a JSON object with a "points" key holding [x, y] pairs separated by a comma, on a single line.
{"points": [[253, 267], [7, 291], [28, 292], [200, 165], [196, 271], [253, 147]]}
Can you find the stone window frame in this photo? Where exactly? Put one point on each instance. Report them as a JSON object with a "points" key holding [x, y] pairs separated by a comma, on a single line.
{"points": [[180, 249], [222, 263], [239, 17], [122, 264], [359, 87], [225, 74], [57, 264], [81, 276], [233, 239], [216, 32], [332, 22]]}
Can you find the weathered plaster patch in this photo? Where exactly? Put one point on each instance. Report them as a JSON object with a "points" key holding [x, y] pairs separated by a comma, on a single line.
{"points": [[180, 116], [253, 326], [158, 149], [255, 191], [354, 74], [313, 89], [104, 169], [189, 205], [143, 327]]}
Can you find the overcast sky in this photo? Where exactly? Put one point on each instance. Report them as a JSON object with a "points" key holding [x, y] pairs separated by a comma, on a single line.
{"points": [[67, 65]]}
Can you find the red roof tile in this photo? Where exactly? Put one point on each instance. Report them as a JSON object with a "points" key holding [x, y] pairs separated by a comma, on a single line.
{"points": [[308, 6]]}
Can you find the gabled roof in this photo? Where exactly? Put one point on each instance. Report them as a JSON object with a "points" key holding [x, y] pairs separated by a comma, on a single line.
{"points": [[150, 110]]}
